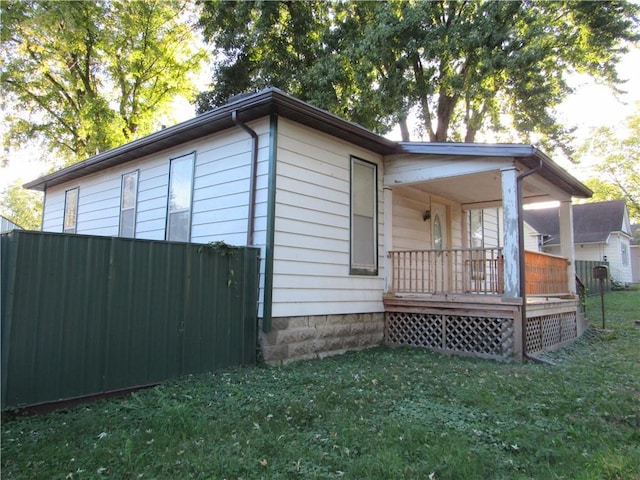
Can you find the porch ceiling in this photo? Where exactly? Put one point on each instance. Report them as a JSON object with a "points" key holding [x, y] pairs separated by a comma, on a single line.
{"points": [[471, 174], [481, 190]]}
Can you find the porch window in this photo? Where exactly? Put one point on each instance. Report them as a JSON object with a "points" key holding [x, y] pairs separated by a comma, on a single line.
{"points": [[70, 222], [476, 229], [179, 202], [128, 196], [476, 242], [364, 212]]}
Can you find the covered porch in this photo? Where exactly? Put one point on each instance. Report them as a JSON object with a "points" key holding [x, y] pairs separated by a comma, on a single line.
{"points": [[459, 278]]}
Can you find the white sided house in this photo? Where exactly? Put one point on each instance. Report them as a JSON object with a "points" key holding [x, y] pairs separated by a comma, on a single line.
{"points": [[362, 239], [601, 230]]}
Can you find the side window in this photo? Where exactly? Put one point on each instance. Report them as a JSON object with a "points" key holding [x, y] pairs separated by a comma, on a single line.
{"points": [[179, 201], [128, 197], [364, 215], [624, 252], [70, 221]]}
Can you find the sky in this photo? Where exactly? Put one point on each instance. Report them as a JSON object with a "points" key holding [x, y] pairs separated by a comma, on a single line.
{"points": [[590, 106]]}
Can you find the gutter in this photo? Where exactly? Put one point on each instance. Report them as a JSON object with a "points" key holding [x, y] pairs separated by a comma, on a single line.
{"points": [[522, 279], [252, 176]]}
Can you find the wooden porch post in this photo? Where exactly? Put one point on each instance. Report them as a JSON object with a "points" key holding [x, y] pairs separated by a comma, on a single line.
{"points": [[567, 249], [510, 202], [388, 237]]}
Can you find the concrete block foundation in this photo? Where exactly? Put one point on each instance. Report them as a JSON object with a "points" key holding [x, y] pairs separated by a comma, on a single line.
{"points": [[318, 336]]}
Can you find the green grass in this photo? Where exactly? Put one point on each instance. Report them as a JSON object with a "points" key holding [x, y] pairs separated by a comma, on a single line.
{"points": [[377, 414]]}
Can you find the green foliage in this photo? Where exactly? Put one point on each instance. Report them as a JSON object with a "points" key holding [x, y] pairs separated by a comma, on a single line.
{"points": [[461, 65], [220, 247], [89, 76], [22, 207], [617, 155], [224, 250], [377, 414]]}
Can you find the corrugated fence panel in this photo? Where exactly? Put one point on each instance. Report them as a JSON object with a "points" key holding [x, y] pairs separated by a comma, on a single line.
{"points": [[584, 271], [84, 315]]}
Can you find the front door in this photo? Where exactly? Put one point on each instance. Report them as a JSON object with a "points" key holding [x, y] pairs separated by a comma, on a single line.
{"points": [[440, 241]]}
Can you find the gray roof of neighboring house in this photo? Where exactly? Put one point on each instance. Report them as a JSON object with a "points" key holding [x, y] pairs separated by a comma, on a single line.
{"points": [[274, 101], [592, 222]]}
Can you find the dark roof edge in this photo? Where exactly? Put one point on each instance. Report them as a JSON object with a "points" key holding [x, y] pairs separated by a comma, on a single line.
{"points": [[529, 155], [557, 175], [252, 106]]}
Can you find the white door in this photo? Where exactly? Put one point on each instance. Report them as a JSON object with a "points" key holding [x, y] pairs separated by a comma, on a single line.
{"points": [[440, 241]]}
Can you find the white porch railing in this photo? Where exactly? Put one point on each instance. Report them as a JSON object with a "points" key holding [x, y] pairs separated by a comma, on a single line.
{"points": [[462, 270]]}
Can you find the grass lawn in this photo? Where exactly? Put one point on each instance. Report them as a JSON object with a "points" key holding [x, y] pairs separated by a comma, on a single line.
{"points": [[378, 414]]}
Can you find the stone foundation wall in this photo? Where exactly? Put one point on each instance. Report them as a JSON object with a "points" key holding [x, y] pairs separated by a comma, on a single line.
{"points": [[317, 336]]}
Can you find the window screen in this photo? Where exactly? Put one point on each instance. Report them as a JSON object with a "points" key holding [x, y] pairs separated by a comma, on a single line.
{"points": [[128, 204], [364, 255], [70, 222], [179, 204]]}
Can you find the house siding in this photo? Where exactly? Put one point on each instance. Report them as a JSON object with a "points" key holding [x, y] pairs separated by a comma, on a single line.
{"points": [[598, 251], [635, 263], [220, 193], [530, 238], [410, 231], [619, 270], [312, 227]]}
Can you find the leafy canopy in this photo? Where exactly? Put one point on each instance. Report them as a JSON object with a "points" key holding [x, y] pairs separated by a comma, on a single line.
{"points": [[461, 67], [22, 207], [617, 157], [88, 76]]}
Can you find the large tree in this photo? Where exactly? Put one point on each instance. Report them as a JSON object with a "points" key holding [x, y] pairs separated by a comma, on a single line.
{"points": [[88, 76], [616, 159], [462, 66], [22, 207]]}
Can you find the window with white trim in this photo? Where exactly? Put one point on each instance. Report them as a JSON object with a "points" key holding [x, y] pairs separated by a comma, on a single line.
{"points": [[364, 214], [179, 201], [70, 221], [128, 195]]}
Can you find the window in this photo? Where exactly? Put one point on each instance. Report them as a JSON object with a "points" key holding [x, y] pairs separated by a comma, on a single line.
{"points": [[364, 214], [128, 196], [476, 229], [624, 252], [70, 221], [179, 204]]}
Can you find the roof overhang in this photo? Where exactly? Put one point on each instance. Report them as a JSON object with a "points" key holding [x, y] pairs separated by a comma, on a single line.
{"points": [[527, 155], [274, 101], [250, 107]]}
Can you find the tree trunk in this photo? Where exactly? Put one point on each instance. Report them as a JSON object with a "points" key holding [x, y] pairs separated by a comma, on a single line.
{"points": [[470, 135], [418, 73], [404, 129], [446, 104]]}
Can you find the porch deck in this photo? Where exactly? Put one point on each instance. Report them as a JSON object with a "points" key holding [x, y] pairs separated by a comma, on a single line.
{"points": [[454, 303]]}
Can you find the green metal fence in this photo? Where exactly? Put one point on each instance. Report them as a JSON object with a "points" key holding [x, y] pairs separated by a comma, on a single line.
{"points": [[584, 271], [84, 315]]}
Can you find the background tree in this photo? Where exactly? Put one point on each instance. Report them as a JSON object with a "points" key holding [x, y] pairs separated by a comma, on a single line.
{"points": [[617, 164], [461, 66], [22, 207], [88, 76]]}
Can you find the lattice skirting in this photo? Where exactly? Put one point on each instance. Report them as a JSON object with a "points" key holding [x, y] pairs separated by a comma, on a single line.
{"points": [[549, 331], [459, 334]]}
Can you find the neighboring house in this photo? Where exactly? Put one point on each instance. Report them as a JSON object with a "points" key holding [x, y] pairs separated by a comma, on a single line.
{"points": [[361, 237], [635, 253], [601, 232], [7, 225]]}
